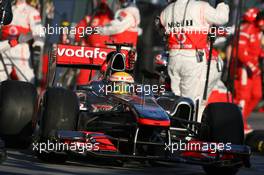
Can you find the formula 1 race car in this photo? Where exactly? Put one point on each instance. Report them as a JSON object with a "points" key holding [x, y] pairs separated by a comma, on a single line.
{"points": [[106, 119]]}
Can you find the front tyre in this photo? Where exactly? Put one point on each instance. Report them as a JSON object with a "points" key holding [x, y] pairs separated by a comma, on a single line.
{"points": [[60, 111], [222, 123]]}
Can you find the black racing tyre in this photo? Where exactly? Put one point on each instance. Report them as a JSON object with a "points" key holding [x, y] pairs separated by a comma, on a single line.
{"points": [[60, 111], [17, 107], [222, 123]]}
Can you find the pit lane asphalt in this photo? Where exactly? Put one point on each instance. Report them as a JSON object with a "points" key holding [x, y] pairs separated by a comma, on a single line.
{"points": [[22, 162]]}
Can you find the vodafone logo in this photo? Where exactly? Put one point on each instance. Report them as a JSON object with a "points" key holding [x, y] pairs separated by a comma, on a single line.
{"points": [[83, 53]]}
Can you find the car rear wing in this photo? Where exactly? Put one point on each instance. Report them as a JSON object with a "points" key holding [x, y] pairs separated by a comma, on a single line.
{"points": [[79, 57]]}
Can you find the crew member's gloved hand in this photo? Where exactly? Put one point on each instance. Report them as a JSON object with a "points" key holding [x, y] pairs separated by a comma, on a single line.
{"points": [[253, 69]]}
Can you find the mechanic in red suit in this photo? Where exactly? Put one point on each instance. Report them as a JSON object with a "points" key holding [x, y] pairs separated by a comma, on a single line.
{"points": [[102, 16], [124, 29], [125, 26], [248, 86]]}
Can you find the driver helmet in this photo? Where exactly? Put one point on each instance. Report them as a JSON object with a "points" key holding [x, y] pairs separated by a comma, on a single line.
{"points": [[251, 15], [121, 82]]}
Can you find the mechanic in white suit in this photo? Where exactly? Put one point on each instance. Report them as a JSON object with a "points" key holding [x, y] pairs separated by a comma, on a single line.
{"points": [[125, 26], [26, 21], [187, 23]]}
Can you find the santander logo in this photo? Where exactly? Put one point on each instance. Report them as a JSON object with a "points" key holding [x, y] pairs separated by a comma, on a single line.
{"points": [[83, 52]]}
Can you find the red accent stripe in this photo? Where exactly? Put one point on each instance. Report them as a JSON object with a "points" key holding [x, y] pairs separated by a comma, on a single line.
{"points": [[151, 122]]}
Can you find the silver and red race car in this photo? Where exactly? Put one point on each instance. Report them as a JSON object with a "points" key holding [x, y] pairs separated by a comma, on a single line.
{"points": [[139, 125]]}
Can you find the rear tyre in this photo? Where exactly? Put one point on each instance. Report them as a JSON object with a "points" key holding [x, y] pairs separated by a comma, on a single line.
{"points": [[60, 110], [17, 107], [222, 123]]}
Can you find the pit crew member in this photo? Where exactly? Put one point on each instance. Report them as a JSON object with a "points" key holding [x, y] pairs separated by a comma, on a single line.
{"points": [[248, 87], [125, 26], [101, 17], [26, 20], [187, 49]]}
